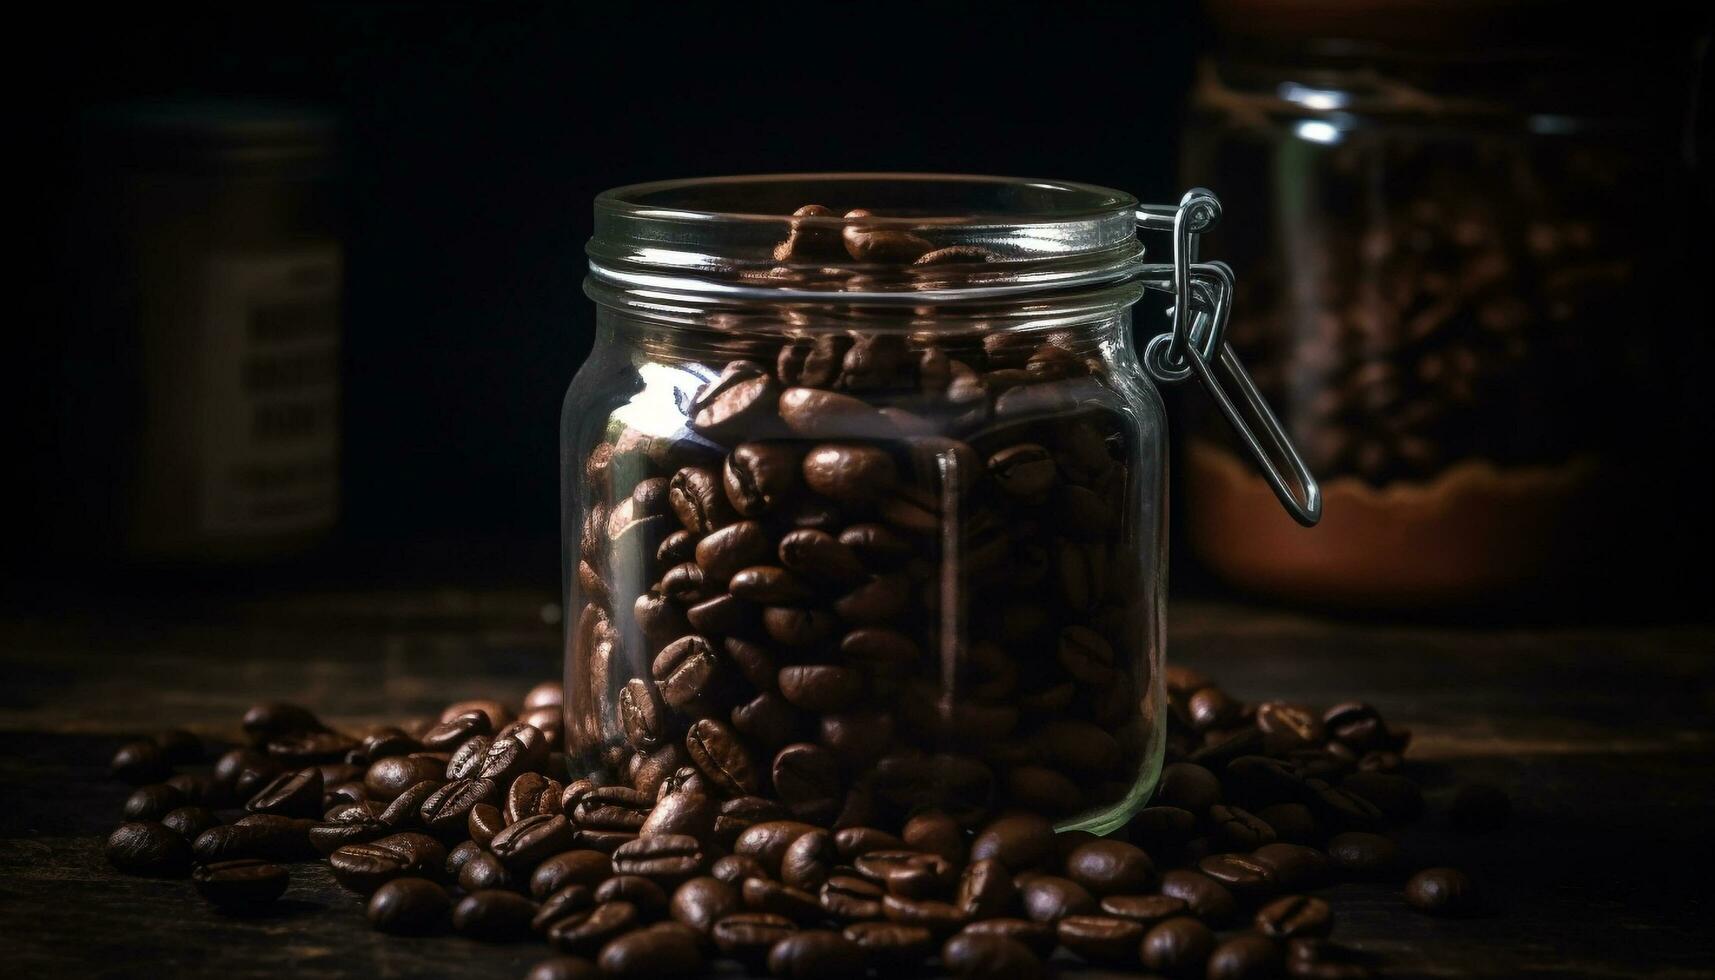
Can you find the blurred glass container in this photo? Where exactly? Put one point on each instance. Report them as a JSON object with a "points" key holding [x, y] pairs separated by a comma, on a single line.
{"points": [[202, 406], [1456, 253]]}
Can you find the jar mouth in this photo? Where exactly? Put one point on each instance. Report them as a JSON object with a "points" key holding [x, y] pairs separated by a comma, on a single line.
{"points": [[965, 232]]}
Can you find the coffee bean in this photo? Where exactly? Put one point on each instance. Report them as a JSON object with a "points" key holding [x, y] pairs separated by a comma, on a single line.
{"points": [[1204, 897], [989, 956], [1018, 841], [1238, 828], [585, 933], [818, 556], [190, 821], [682, 813], [455, 731], [578, 867], [665, 950], [446, 811], [749, 936], [762, 895], [240, 886], [485, 871], [648, 898], [1108, 867], [152, 802], [140, 762], [726, 551], [1245, 957], [703, 901], [406, 809], [409, 907], [890, 945], [466, 761], [612, 808], [1442, 891], [293, 794], [699, 500], [735, 404], [1241, 874], [667, 858], [851, 898], [758, 476], [1178, 947], [734, 868], [816, 954], [272, 719], [1188, 787], [1025, 471], [1100, 938], [685, 671], [564, 968], [721, 756], [849, 472], [770, 585], [1145, 909], [1293, 917], [1363, 853], [150, 849], [527, 842], [1038, 937], [1048, 898], [493, 916]]}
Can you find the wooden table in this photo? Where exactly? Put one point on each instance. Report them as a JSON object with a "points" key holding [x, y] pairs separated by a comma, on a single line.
{"points": [[1603, 735]]}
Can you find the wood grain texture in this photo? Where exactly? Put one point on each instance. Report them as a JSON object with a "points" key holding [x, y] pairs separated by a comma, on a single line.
{"points": [[1604, 737]]}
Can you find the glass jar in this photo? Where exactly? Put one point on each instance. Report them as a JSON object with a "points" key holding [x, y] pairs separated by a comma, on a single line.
{"points": [[1453, 254], [864, 500]]}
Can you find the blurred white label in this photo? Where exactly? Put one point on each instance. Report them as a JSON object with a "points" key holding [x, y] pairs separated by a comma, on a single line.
{"points": [[269, 393]]}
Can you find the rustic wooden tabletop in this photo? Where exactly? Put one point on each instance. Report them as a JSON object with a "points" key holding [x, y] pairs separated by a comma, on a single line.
{"points": [[1604, 737]]}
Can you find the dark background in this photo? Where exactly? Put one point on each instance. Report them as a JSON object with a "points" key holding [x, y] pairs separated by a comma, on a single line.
{"points": [[474, 139]]}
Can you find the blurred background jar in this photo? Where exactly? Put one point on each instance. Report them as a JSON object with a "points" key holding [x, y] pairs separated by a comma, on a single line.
{"points": [[1462, 283], [199, 402]]}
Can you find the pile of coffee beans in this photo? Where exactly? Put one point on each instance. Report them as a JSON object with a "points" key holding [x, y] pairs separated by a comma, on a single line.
{"points": [[461, 823]]}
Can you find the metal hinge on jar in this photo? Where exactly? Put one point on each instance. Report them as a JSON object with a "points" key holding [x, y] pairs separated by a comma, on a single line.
{"points": [[1196, 342]]}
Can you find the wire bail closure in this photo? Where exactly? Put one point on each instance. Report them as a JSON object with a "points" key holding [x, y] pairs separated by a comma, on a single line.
{"points": [[1196, 342]]}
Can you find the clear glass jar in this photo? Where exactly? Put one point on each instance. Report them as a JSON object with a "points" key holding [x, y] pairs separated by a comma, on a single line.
{"points": [[1453, 257], [864, 513]]}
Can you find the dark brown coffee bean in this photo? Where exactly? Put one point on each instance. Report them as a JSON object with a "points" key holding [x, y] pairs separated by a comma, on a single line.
{"points": [[578, 867], [151, 849], [293, 794], [666, 950], [853, 842], [816, 954], [726, 551], [734, 868], [1206, 898], [1048, 898], [446, 811], [1238, 828], [1178, 947], [1291, 822], [1245, 957], [1162, 827], [1018, 841], [1189, 787], [585, 933], [809, 861], [642, 715], [1025, 471], [277, 718], [356, 825], [820, 557], [152, 802], [410, 907], [240, 886], [466, 760], [564, 968], [685, 671], [667, 858], [698, 500], [1442, 891], [1109, 867], [748, 936], [851, 898], [459, 856], [1145, 909], [1295, 916], [767, 719], [1319, 959], [878, 648], [989, 956], [1359, 726], [1038, 937], [140, 762], [612, 808], [739, 813], [1479, 808], [683, 813], [527, 842], [1363, 853], [190, 821], [485, 871], [1288, 726], [986, 890], [758, 476], [722, 757], [454, 732], [363, 868], [735, 404], [394, 774], [561, 904], [1294, 865], [767, 841], [484, 822], [1101, 938], [878, 546], [493, 916], [406, 809], [647, 897], [769, 585], [807, 776], [701, 902], [849, 472], [890, 945], [1241, 874]]}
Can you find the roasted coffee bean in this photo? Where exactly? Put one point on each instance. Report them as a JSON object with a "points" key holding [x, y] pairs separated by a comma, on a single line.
{"points": [[493, 916], [1145, 909], [459, 856], [642, 715], [853, 842], [406, 809], [851, 898], [767, 720], [685, 670], [809, 861], [742, 812], [466, 760], [989, 956], [665, 950], [699, 500], [612, 808], [1178, 947], [769, 585], [1101, 938], [986, 890], [877, 602], [1291, 822], [532, 794], [455, 731], [1018, 841], [820, 557], [140, 762], [849, 472], [816, 954], [726, 551], [719, 753], [1294, 865], [276, 718], [758, 476], [152, 802], [1204, 897], [1293, 917], [293, 794], [356, 825], [685, 584], [724, 614], [890, 945], [647, 897], [527, 842], [446, 811], [1238, 828], [734, 868], [1189, 787], [1109, 867], [390, 776], [749, 936], [1245, 957], [762, 895], [703, 901], [1048, 898], [1479, 808], [410, 907], [1363, 853], [1241, 874], [684, 813], [190, 821], [1162, 827], [562, 904], [806, 776], [1442, 891], [668, 858], [1359, 726], [564, 968], [1025, 471], [580, 867], [240, 886], [735, 404], [585, 933], [485, 871], [1038, 937], [230, 842], [146, 848]]}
